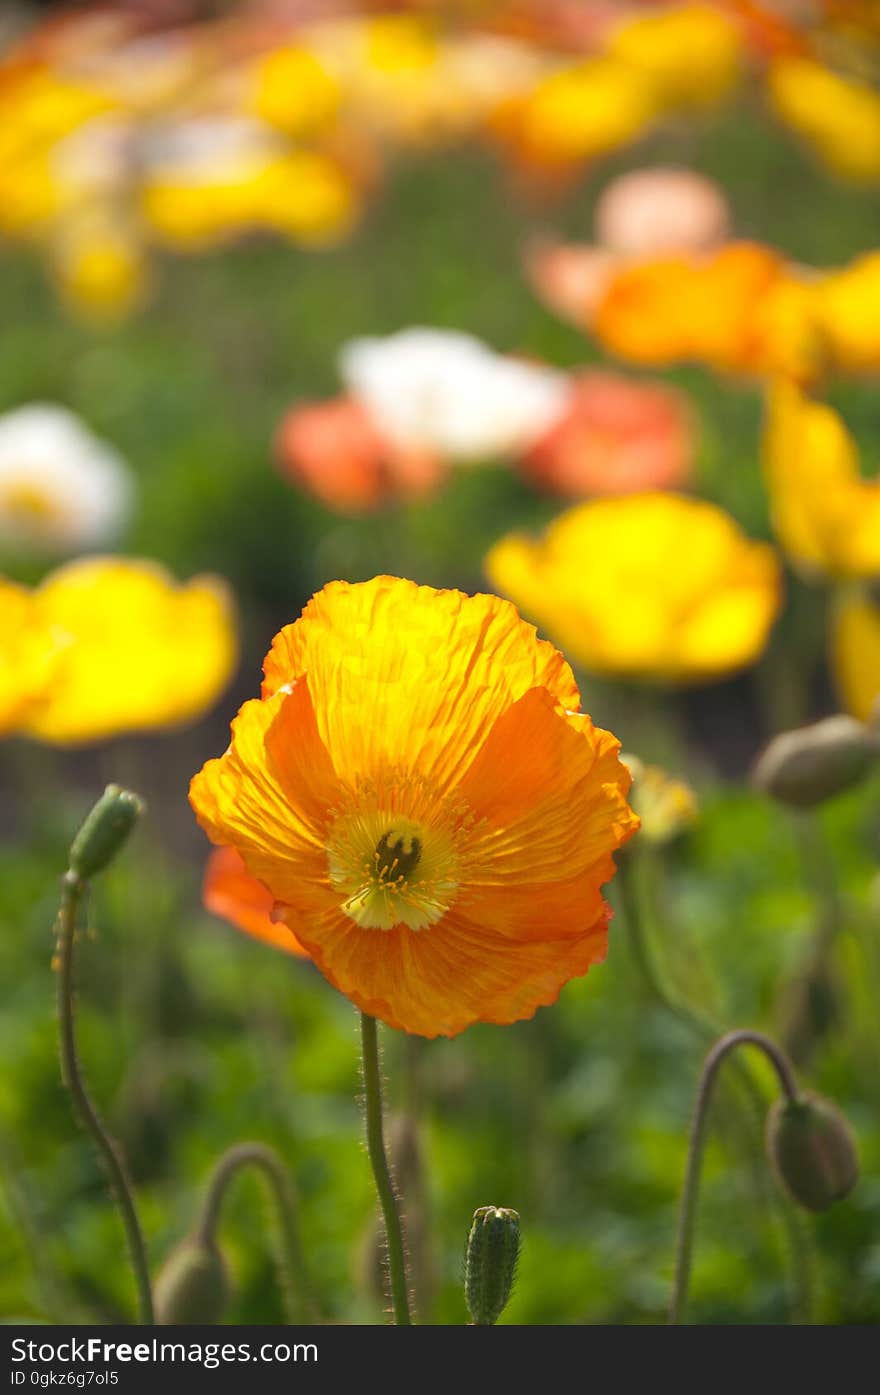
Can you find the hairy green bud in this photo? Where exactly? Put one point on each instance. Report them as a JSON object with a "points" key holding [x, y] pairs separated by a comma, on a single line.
{"points": [[192, 1286], [812, 1151], [490, 1263], [104, 831]]}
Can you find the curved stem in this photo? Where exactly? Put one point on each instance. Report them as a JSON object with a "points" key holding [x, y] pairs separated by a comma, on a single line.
{"points": [[381, 1171], [691, 1190], [267, 1161], [71, 895], [703, 1026]]}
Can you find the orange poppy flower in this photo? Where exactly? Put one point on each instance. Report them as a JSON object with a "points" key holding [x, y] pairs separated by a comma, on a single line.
{"points": [[229, 892], [679, 308], [335, 450], [419, 793], [619, 435]]}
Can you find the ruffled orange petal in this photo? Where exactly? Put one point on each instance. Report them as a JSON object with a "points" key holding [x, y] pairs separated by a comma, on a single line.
{"points": [[270, 796], [550, 791], [230, 893], [439, 982], [407, 677]]}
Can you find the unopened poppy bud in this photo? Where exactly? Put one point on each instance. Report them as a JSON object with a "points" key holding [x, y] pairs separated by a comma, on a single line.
{"points": [[104, 831], [490, 1263], [812, 1151], [192, 1286], [811, 764]]}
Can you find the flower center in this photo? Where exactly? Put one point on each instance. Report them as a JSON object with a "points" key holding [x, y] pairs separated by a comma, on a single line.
{"points": [[397, 857], [393, 869]]}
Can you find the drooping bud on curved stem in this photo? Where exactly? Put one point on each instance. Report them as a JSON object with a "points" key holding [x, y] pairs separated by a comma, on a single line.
{"points": [[809, 1145], [491, 1258], [810, 764], [193, 1286], [202, 1264], [100, 838], [812, 1150]]}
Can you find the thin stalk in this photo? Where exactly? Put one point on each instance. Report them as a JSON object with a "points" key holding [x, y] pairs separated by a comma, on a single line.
{"points": [[696, 1146], [72, 893], [266, 1161], [381, 1172]]}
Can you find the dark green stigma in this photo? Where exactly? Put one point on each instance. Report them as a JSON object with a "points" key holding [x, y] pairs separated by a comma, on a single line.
{"points": [[396, 860]]}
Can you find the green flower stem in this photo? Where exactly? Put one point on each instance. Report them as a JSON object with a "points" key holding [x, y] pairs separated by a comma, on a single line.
{"points": [[265, 1160], [696, 1146], [642, 950], [381, 1173], [73, 890], [706, 1029]]}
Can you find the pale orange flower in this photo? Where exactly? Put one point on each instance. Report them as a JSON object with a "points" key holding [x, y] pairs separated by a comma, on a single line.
{"points": [[618, 436], [335, 450], [229, 892], [431, 813]]}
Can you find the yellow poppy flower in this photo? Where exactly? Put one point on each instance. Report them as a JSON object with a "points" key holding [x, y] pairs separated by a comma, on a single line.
{"points": [[849, 314], [294, 91], [142, 651], [652, 586], [838, 116], [29, 654], [578, 112], [690, 54], [665, 806], [826, 516], [855, 650], [419, 794]]}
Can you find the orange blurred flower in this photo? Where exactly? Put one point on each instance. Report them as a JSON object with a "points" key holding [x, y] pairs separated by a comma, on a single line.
{"points": [[702, 309], [229, 892], [334, 450], [419, 793], [618, 435]]}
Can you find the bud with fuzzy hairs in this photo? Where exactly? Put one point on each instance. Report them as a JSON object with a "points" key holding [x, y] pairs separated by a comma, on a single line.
{"points": [[810, 764], [812, 1150], [490, 1263], [104, 830], [192, 1286]]}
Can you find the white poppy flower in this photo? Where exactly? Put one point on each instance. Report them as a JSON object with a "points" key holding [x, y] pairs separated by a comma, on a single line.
{"points": [[61, 489], [441, 391]]}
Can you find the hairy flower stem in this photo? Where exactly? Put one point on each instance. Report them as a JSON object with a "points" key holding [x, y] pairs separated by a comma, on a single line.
{"points": [[72, 891], [691, 1190], [381, 1172], [298, 1292]]}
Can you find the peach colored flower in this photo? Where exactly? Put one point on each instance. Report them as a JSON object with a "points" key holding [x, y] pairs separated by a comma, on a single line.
{"points": [[618, 436], [335, 450]]}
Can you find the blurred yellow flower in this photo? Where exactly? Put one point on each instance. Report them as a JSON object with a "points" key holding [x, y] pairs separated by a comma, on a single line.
{"points": [[654, 587], [306, 196], [142, 652], [848, 306], [29, 654], [690, 54], [838, 116], [855, 650], [578, 112], [826, 516], [294, 91], [666, 806], [100, 266]]}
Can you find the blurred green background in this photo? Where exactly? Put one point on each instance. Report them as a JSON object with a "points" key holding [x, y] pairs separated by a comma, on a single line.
{"points": [[193, 1037]]}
